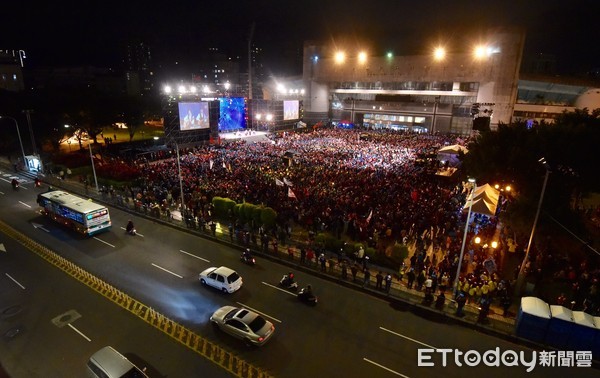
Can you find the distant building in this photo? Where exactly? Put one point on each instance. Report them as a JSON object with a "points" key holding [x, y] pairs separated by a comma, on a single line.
{"points": [[11, 74], [139, 74], [418, 92]]}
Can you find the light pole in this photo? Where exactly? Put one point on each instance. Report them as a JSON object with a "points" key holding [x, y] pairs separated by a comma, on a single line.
{"points": [[18, 134], [180, 181], [93, 168], [521, 276], [464, 241]]}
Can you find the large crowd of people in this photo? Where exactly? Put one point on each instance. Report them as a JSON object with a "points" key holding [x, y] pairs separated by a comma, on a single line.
{"points": [[334, 179]]}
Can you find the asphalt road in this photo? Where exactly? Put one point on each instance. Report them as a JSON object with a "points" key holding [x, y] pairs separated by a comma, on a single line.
{"points": [[348, 333]]}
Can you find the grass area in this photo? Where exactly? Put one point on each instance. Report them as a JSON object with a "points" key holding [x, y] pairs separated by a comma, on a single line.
{"points": [[144, 132]]}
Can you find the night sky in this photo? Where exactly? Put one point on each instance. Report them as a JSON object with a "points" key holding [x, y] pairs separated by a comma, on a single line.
{"points": [[77, 33]]}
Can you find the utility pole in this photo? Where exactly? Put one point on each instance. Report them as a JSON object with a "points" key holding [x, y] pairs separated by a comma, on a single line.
{"points": [[28, 115], [250, 60]]}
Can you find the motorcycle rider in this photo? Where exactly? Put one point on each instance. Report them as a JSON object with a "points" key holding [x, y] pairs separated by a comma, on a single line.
{"points": [[37, 182], [246, 255], [15, 183], [129, 228], [288, 279]]}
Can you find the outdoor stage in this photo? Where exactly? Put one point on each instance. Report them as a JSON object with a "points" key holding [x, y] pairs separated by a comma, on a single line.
{"points": [[247, 135]]}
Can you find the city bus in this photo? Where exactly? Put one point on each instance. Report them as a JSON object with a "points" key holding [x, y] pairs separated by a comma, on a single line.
{"points": [[83, 216]]}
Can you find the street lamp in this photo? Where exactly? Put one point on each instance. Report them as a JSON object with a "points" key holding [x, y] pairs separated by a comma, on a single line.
{"points": [[19, 135], [521, 276], [462, 249]]}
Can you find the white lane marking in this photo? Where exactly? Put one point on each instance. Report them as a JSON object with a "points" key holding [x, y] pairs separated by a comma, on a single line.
{"points": [[100, 240], [386, 368], [24, 204], [136, 233], [262, 313], [280, 289], [166, 270], [15, 281], [199, 258], [407, 338], [1, 192], [79, 332], [37, 225]]}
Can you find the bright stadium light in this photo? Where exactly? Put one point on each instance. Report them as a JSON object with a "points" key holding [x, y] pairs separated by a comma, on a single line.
{"points": [[167, 89], [301, 91], [258, 116], [269, 117], [389, 55], [281, 88], [227, 85], [340, 57], [181, 89], [205, 89], [362, 57], [480, 52], [193, 89], [439, 53]]}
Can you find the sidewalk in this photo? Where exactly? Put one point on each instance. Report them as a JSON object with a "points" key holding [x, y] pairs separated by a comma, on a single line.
{"points": [[399, 295]]}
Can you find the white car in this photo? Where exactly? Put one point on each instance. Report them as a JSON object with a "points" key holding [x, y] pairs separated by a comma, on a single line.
{"points": [[108, 363], [222, 278]]}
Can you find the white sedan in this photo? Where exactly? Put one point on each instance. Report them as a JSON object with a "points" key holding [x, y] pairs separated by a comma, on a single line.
{"points": [[222, 278]]}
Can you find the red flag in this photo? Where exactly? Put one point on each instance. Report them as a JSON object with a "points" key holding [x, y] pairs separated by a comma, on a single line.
{"points": [[291, 193]]}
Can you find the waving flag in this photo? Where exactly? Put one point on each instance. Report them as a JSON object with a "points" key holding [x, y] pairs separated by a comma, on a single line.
{"points": [[369, 217], [278, 182], [287, 182], [210, 163], [291, 194]]}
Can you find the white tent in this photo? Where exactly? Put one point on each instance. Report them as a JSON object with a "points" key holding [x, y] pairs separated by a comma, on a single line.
{"points": [[485, 200], [450, 154]]}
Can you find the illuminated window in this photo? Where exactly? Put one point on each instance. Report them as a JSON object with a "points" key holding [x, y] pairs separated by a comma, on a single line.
{"points": [[419, 119]]}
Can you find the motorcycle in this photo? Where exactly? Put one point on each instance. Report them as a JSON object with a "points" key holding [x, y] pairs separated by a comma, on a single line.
{"points": [[248, 259], [288, 283], [37, 182], [130, 229], [307, 297], [15, 184]]}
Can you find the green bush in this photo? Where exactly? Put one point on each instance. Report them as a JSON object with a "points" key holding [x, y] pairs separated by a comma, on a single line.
{"points": [[268, 217], [237, 212], [246, 212], [257, 214], [223, 206]]}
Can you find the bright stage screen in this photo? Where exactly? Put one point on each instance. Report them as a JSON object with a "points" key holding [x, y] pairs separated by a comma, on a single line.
{"points": [[291, 109], [233, 114], [193, 116]]}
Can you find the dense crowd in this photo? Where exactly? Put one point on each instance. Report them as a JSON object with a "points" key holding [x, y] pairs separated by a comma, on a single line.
{"points": [[336, 181]]}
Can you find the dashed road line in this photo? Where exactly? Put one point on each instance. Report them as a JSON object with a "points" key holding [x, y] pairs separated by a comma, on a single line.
{"points": [[262, 313], [100, 240], [15, 281], [24, 204], [166, 270], [79, 332], [385, 368], [407, 338], [198, 257], [280, 289]]}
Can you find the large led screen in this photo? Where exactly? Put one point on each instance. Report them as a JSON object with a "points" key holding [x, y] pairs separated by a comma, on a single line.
{"points": [[233, 114], [290, 109], [193, 116]]}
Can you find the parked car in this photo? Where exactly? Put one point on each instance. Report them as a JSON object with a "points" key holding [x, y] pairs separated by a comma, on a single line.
{"points": [[108, 363], [222, 278], [243, 324]]}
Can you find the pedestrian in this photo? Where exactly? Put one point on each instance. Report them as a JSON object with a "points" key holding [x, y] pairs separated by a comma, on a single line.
{"points": [[461, 299], [411, 277], [302, 255], [344, 268], [322, 261], [421, 280], [367, 277], [213, 228], [354, 271], [291, 253], [388, 283], [310, 255], [365, 262], [379, 281]]}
